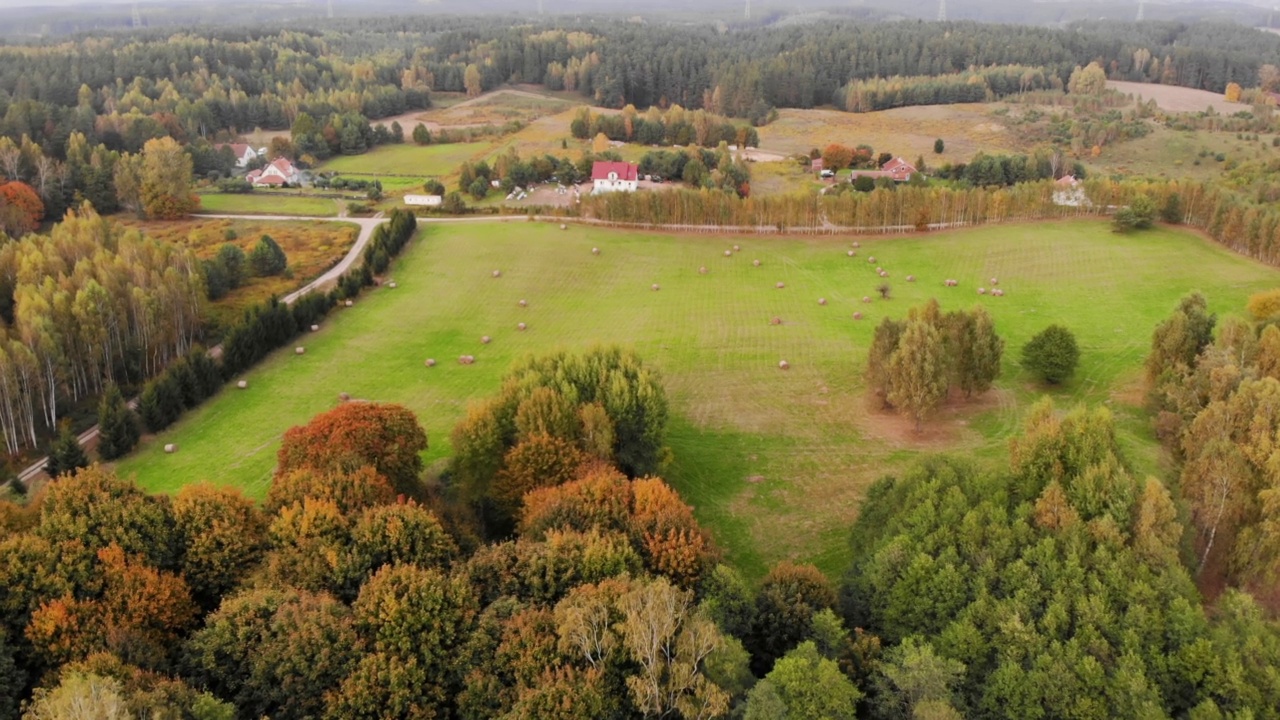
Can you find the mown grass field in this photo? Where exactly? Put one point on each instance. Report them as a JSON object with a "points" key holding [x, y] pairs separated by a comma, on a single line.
{"points": [[775, 462], [422, 161], [266, 202]]}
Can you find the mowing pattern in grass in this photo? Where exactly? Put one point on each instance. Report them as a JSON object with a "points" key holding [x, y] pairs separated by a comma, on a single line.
{"points": [[266, 202], [775, 462], [409, 159]]}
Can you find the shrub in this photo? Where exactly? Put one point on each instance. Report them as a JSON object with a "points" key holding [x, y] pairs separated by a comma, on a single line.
{"points": [[267, 259], [1052, 355]]}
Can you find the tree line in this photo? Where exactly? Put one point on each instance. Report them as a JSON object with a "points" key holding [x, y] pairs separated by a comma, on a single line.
{"points": [[552, 574]]}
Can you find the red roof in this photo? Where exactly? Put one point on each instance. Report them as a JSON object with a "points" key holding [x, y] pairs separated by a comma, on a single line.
{"points": [[624, 170], [898, 165], [1067, 180], [239, 149]]}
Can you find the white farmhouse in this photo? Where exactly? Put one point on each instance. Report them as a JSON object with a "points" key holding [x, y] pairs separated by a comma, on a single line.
{"points": [[244, 154], [614, 177], [279, 172]]}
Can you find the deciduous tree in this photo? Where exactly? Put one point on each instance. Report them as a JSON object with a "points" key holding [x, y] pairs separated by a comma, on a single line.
{"points": [[918, 372], [1052, 354]]}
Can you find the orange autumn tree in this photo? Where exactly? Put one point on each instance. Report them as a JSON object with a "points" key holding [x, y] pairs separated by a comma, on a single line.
{"points": [[21, 209], [648, 512], [354, 435]]}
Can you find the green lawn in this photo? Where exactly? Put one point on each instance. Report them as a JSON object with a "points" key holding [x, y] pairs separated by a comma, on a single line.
{"points": [[409, 159], [774, 462], [266, 202]]}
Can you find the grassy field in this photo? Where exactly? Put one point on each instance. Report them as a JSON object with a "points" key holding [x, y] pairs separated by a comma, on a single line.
{"points": [[775, 463], [311, 248], [266, 202], [909, 132], [422, 161]]}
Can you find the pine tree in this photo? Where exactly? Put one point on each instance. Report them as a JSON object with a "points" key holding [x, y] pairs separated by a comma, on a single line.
{"points": [[66, 456], [117, 425], [267, 258]]}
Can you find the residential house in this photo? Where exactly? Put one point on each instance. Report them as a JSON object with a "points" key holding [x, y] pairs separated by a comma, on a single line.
{"points": [[244, 154], [279, 172], [897, 170], [614, 177]]}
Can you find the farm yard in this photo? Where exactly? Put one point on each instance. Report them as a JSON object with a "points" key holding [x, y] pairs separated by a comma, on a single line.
{"points": [[775, 462]]}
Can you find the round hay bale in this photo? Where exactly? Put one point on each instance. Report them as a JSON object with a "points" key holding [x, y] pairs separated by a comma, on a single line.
{"points": [[728, 253], [595, 251], [521, 326], [485, 340], [392, 284], [431, 362], [344, 397], [243, 384], [780, 285], [299, 350], [784, 365], [866, 299], [756, 263], [563, 226], [655, 287], [856, 244], [822, 301], [523, 303], [995, 281], [315, 328], [776, 321], [911, 278], [857, 316], [879, 269], [171, 448], [702, 270], [884, 273], [872, 259], [497, 273], [982, 291], [349, 303], [466, 359], [852, 253], [737, 248]]}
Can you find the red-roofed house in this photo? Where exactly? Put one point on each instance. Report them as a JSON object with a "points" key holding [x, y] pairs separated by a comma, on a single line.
{"points": [[244, 153], [614, 177], [897, 170], [279, 172]]}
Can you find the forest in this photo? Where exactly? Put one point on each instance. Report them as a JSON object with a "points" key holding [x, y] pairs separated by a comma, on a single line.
{"points": [[123, 89], [555, 575]]}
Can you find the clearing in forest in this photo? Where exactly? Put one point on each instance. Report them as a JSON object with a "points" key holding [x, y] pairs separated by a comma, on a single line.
{"points": [[775, 462], [1174, 98]]}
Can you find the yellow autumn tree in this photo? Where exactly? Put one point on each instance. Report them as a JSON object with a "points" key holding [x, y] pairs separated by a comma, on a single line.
{"points": [[1233, 92]]}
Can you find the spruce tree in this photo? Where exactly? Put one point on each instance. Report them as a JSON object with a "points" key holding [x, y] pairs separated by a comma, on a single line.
{"points": [[117, 425], [66, 455]]}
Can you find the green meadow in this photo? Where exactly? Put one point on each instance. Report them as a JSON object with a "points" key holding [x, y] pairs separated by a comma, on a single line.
{"points": [[775, 462]]}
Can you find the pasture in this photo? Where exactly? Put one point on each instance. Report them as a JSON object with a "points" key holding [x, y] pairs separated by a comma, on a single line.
{"points": [[266, 202], [775, 462], [419, 161]]}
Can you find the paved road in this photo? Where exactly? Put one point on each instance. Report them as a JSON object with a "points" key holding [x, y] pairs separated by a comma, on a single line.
{"points": [[367, 226]]}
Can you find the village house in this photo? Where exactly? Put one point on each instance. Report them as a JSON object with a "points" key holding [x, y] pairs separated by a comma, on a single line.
{"points": [[897, 170], [614, 177], [279, 172], [244, 154]]}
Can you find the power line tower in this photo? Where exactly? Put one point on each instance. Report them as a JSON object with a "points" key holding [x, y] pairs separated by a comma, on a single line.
{"points": [[942, 10], [330, 9], [1142, 10], [539, 7], [748, 9], [137, 16]]}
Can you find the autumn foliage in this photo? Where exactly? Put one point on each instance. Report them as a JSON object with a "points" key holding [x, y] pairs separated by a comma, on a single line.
{"points": [[21, 209], [358, 434]]}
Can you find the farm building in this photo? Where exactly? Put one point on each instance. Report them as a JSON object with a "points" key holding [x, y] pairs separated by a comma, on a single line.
{"points": [[897, 169], [279, 172], [614, 177], [423, 200]]}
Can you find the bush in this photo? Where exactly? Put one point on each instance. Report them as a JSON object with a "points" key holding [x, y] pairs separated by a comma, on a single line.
{"points": [[267, 259], [234, 185], [1139, 215], [939, 146], [1052, 355], [479, 188]]}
